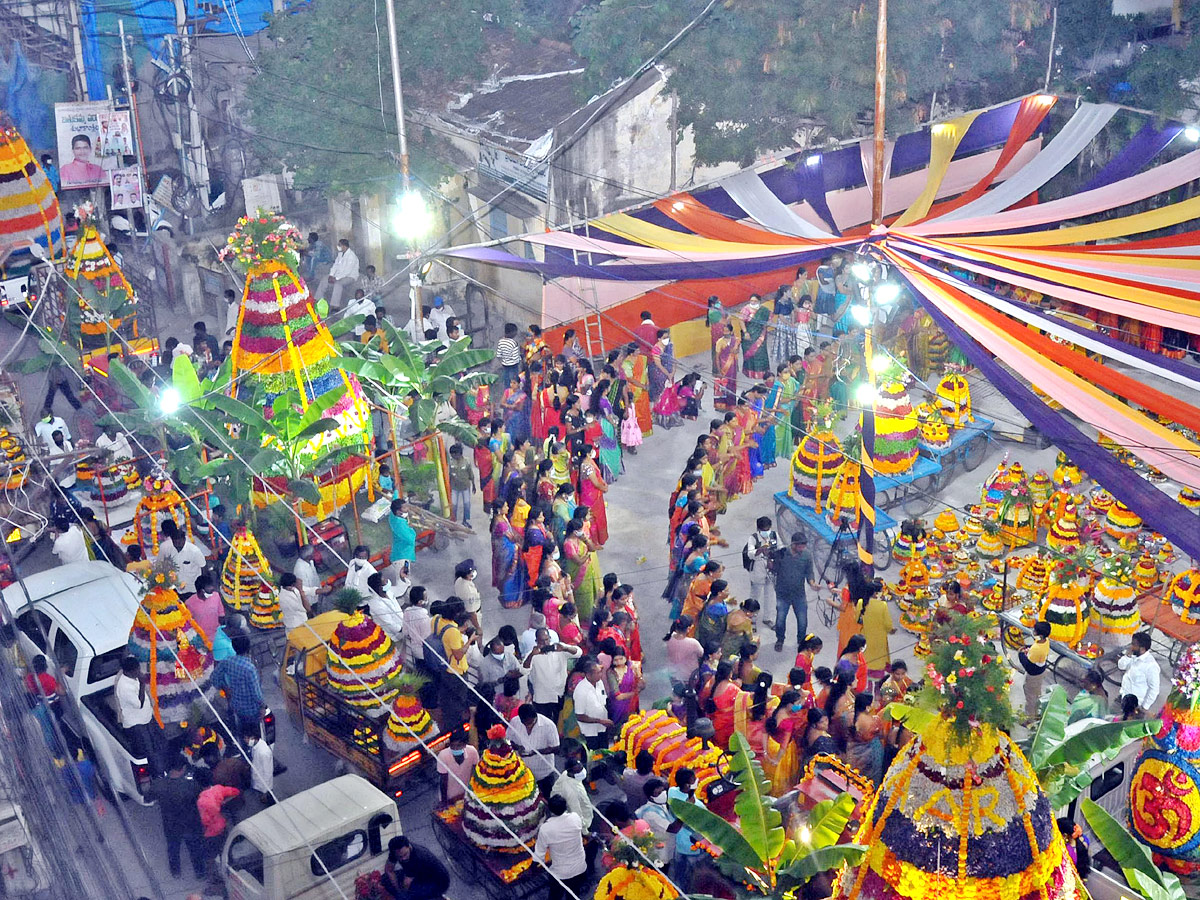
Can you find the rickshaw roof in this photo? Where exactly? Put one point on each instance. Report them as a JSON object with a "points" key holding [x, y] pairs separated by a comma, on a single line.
{"points": [[316, 631]]}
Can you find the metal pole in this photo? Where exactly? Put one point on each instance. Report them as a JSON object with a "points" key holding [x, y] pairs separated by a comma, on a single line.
{"points": [[880, 110], [1050, 56], [137, 128], [397, 94]]}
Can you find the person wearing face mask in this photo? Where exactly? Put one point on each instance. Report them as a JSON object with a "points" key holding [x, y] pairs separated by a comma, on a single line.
{"points": [[686, 858], [465, 574], [459, 759], [546, 667], [591, 494], [571, 785], [498, 663], [536, 740], [654, 813], [662, 364], [758, 559]]}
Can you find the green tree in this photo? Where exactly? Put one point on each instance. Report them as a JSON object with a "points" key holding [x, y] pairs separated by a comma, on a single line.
{"points": [[755, 72], [315, 105]]}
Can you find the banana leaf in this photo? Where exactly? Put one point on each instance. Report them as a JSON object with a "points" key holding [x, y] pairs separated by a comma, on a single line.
{"points": [[320, 426], [305, 490], [1131, 855], [721, 833], [760, 821], [915, 718], [185, 380], [829, 818], [1100, 740], [823, 859], [1050, 728]]}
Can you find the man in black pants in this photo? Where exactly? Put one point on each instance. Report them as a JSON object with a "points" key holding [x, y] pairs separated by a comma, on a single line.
{"points": [[176, 796], [60, 381], [413, 873]]}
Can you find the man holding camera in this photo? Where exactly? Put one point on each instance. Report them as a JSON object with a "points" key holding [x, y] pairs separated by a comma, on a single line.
{"points": [[546, 667], [758, 560], [793, 570]]}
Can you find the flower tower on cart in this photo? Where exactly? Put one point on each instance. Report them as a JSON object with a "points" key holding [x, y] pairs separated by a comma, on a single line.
{"points": [[1183, 593], [1066, 607], [362, 661], [817, 459], [1114, 599], [29, 210], [160, 502], [105, 311], [502, 790], [245, 571], [1164, 790], [960, 812], [897, 430], [174, 653], [281, 344]]}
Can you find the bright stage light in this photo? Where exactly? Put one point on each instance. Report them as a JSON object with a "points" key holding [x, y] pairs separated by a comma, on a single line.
{"points": [[169, 401], [865, 395], [1192, 133], [881, 363], [861, 314], [413, 219], [862, 271], [886, 293]]}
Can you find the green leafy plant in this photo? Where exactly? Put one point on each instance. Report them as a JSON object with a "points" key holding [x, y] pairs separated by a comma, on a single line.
{"points": [[758, 852], [347, 600], [1061, 762], [1153, 882]]}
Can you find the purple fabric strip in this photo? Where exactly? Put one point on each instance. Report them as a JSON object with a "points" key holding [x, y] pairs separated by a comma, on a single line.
{"points": [[563, 266], [1178, 366], [810, 177], [1142, 147], [1170, 518]]}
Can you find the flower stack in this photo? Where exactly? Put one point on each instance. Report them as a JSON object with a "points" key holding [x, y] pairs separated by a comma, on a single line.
{"points": [[1066, 606], [992, 493], [1164, 790], [1114, 600], [1016, 510], [897, 432], [1064, 533], [1183, 593], [281, 344], [362, 660], [96, 276], [929, 832], [1034, 575], [245, 571], [631, 878], [408, 724], [1101, 503], [173, 652], [1066, 473], [667, 741], [502, 788], [991, 543], [265, 611], [1189, 498], [815, 465], [843, 494], [160, 502], [954, 400], [946, 522], [935, 433], [29, 210], [1122, 524], [1040, 489], [1145, 573]]}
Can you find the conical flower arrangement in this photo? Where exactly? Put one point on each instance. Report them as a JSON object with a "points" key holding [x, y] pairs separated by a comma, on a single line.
{"points": [[362, 659], [1064, 533], [1183, 593], [954, 400], [817, 460], [245, 571], [843, 495], [1114, 600], [960, 813], [1122, 523], [160, 502], [408, 723], [265, 611], [1066, 607], [1034, 575], [897, 430], [98, 278], [281, 344], [29, 210], [502, 788], [172, 650], [1164, 791]]}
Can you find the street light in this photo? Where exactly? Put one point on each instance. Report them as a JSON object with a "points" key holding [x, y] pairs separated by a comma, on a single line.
{"points": [[169, 401], [1192, 133], [413, 219]]}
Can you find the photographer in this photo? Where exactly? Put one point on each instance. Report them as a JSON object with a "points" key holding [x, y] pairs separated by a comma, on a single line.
{"points": [[758, 559], [793, 570], [546, 667]]}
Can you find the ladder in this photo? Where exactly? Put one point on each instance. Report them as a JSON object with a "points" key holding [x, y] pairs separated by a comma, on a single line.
{"points": [[593, 335]]}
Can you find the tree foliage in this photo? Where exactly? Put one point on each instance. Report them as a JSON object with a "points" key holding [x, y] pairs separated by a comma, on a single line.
{"points": [[315, 106], [757, 72]]}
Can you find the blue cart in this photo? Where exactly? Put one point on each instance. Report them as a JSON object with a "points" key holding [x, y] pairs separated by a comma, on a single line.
{"points": [[915, 489], [968, 446], [795, 514]]}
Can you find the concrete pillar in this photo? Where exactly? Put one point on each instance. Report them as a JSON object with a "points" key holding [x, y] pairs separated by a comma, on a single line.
{"points": [[341, 220], [370, 241]]}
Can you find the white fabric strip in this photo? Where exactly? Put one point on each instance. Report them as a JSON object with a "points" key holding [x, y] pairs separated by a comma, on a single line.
{"points": [[749, 192]]}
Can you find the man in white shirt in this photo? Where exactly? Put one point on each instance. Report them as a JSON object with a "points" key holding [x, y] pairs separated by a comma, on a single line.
{"points": [[307, 578], [70, 546], [416, 328], [546, 667], [561, 835], [292, 603], [342, 274], [536, 740], [1142, 674], [359, 570], [135, 712], [360, 305], [591, 708], [416, 626], [45, 428], [384, 609], [438, 315], [262, 764], [232, 308], [186, 557], [528, 638], [571, 785]]}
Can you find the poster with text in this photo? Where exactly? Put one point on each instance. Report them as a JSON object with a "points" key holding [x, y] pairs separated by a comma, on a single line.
{"points": [[126, 187], [116, 136], [77, 126]]}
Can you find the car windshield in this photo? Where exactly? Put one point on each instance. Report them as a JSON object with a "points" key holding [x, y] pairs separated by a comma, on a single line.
{"points": [[106, 665]]}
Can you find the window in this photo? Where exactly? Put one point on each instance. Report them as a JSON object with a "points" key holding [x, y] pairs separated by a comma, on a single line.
{"points": [[375, 828], [497, 223], [247, 859], [338, 852], [106, 665], [36, 625], [65, 652], [1109, 781]]}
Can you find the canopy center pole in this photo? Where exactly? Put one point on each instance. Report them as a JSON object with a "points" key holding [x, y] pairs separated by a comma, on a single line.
{"points": [[880, 110]]}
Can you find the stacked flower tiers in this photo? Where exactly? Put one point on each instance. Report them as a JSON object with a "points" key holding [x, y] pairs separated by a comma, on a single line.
{"points": [[408, 723], [362, 659], [246, 570], [503, 808]]}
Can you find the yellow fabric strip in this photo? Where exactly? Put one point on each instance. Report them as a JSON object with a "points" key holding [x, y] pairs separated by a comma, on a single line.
{"points": [[1144, 263], [944, 140], [627, 226], [1159, 298], [1100, 231]]}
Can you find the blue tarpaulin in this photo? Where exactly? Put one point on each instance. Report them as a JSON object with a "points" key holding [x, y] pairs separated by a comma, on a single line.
{"points": [[157, 17]]}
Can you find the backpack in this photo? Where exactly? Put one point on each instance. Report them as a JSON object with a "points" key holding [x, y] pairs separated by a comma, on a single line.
{"points": [[434, 650], [749, 559], [711, 623]]}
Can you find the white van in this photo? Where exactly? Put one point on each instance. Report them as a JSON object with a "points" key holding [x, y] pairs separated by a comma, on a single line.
{"points": [[298, 848]]}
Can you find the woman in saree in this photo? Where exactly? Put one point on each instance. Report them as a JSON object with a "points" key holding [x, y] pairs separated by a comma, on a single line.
{"points": [[552, 397], [783, 321], [609, 446], [721, 703], [539, 542], [485, 465], [622, 601], [562, 511], [755, 361], [750, 715], [785, 404], [783, 727], [560, 463], [725, 380], [696, 556], [864, 743], [715, 319], [544, 487], [477, 403], [661, 365], [744, 422], [514, 405], [506, 561], [569, 631], [690, 393], [582, 568], [769, 417], [591, 493], [511, 480], [637, 375], [623, 680]]}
